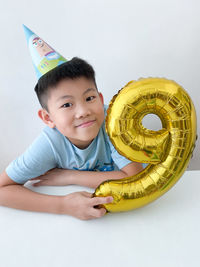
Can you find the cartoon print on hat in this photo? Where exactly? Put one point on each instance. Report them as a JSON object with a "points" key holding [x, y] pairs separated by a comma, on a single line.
{"points": [[44, 57]]}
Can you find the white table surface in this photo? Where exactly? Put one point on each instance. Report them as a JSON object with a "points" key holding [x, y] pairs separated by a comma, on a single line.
{"points": [[163, 233]]}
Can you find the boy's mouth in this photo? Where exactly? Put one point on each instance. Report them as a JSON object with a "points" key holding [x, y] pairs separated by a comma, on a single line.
{"points": [[86, 124]]}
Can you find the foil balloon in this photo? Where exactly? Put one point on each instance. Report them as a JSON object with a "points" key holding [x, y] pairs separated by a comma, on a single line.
{"points": [[166, 151]]}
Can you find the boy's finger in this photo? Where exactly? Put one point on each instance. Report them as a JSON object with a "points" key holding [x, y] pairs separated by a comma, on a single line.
{"points": [[101, 200], [87, 194], [97, 213]]}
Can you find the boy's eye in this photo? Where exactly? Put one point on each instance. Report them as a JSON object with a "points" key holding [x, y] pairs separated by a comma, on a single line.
{"points": [[90, 98], [67, 105]]}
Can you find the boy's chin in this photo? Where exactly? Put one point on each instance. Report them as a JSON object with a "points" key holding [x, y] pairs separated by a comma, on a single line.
{"points": [[83, 142]]}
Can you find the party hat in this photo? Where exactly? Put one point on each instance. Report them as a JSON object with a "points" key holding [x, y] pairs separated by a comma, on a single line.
{"points": [[44, 57]]}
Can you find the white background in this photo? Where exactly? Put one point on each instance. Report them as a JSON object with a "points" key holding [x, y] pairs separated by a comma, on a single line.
{"points": [[123, 40]]}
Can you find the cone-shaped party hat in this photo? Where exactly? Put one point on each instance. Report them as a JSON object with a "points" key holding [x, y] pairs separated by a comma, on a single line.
{"points": [[44, 57]]}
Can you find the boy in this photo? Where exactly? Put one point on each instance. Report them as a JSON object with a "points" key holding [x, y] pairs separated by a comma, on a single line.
{"points": [[69, 150]]}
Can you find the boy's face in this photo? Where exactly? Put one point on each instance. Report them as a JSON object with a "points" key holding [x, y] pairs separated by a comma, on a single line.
{"points": [[76, 110]]}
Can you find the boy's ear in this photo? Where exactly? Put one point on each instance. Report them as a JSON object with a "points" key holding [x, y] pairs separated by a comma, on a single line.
{"points": [[45, 117], [101, 97]]}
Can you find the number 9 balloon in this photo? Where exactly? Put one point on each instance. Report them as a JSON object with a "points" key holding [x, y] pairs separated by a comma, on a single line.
{"points": [[166, 151]]}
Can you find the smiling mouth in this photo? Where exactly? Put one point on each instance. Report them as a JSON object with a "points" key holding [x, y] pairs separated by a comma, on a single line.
{"points": [[86, 124]]}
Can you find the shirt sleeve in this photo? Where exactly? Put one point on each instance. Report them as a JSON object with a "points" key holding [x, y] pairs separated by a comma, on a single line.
{"points": [[35, 161]]}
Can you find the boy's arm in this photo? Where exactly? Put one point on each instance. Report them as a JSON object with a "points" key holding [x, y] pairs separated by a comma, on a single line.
{"points": [[93, 179], [79, 204], [86, 178]]}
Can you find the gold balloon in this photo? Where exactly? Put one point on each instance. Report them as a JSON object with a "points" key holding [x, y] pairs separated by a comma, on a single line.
{"points": [[166, 151]]}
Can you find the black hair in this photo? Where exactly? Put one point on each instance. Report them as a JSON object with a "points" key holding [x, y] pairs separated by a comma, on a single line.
{"points": [[72, 69]]}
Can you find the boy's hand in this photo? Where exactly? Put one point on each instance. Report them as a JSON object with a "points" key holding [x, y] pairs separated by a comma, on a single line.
{"points": [[54, 177], [82, 206]]}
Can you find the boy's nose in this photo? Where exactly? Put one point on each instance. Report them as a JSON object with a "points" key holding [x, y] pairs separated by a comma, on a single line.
{"points": [[82, 111]]}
